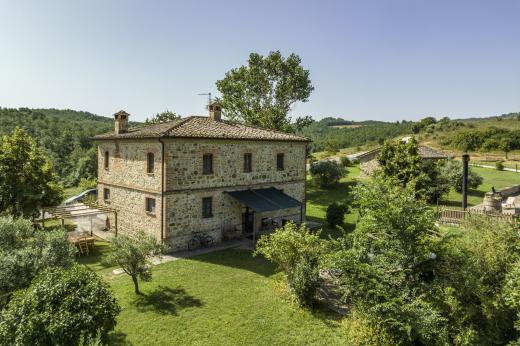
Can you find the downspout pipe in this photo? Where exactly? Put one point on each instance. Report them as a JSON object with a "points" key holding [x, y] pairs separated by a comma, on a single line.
{"points": [[162, 189]]}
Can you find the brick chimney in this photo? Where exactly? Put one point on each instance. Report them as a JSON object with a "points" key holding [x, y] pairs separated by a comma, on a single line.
{"points": [[215, 112], [121, 122]]}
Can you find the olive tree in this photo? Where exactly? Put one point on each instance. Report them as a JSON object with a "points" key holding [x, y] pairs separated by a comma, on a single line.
{"points": [[326, 173], [24, 253], [133, 254]]}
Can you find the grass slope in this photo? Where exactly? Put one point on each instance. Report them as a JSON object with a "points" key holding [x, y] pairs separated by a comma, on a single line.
{"points": [[319, 199]]}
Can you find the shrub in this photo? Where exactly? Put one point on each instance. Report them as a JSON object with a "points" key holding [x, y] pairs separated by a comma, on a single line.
{"points": [[326, 173], [87, 183], [61, 307], [336, 214], [297, 252], [304, 280], [499, 166], [344, 161]]}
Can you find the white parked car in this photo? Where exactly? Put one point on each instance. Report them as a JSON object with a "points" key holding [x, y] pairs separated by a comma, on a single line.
{"points": [[81, 197]]}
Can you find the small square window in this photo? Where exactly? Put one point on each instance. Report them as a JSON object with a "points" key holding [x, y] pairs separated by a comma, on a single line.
{"points": [[150, 205], [106, 160], [248, 164], [106, 194], [150, 163], [207, 164], [279, 162], [207, 207]]}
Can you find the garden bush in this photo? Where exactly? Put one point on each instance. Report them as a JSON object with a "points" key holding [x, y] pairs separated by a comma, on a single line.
{"points": [[499, 166], [336, 214], [344, 162], [297, 252], [304, 280]]}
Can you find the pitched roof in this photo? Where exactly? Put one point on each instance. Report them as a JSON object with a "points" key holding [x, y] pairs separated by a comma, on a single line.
{"points": [[424, 151], [203, 127]]}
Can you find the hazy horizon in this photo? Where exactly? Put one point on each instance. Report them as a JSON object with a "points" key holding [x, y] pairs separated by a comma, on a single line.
{"points": [[373, 60]]}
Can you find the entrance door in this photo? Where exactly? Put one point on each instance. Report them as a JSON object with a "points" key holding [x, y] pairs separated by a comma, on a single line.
{"points": [[248, 221]]}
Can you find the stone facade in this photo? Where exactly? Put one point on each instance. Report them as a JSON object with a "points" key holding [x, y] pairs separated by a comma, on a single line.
{"points": [[178, 198]]}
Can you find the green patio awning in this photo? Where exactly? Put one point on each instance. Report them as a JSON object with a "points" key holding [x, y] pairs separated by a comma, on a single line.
{"points": [[267, 199]]}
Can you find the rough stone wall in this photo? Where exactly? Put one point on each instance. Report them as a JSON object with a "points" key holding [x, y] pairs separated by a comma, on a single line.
{"points": [[184, 212], [131, 213], [127, 163], [130, 184], [184, 163]]}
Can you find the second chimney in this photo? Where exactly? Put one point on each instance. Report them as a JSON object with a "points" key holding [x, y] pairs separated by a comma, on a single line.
{"points": [[215, 112], [121, 122]]}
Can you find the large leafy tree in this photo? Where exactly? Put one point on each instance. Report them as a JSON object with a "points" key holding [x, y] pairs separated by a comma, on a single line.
{"points": [[61, 307], [24, 253], [263, 92], [401, 162], [387, 261], [133, 254], [27, 178], [163, 117]]}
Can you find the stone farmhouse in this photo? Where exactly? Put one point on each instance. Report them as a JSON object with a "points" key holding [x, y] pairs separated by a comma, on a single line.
{"points": [[200, 174], [368, 161]]}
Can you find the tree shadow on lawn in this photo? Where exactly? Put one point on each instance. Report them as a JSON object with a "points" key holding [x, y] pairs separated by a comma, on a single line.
{"points": [[324, 197], [166, 300], [118, 339], [240, 259], [457, 203]]}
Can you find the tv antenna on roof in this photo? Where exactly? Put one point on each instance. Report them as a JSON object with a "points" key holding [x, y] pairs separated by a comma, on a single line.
{"points": [[209, 97]]}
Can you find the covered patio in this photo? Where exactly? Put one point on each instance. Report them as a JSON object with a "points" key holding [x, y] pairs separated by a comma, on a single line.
{"points": [[266, 209], [89, 219]]}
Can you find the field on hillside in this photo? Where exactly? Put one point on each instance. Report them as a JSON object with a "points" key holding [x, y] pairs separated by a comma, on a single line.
{"points": [[227, 297]]}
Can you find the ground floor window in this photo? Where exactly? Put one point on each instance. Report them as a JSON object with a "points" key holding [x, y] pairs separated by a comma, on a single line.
{"points": [[106, 194], [207, 207], [150, 205]]}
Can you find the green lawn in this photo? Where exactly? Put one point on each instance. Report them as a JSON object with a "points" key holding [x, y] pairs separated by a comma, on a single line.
{"points": [[319, 199], [492, 177], [221, 298]]}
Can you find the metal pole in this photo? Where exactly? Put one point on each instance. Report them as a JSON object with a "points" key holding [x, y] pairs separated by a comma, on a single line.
{"points": [[465, 161]]}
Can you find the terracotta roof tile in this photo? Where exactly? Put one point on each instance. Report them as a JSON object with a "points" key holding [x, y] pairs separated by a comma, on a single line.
{"points": [[203, 127]]}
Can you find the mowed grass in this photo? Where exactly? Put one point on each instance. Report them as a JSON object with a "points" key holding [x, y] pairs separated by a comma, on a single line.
{"points": [[319, 199], [221, 298], [492, 177]]}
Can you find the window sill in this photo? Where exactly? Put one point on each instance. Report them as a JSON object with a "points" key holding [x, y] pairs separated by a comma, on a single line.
{"points": [[107, 201], [207, 217], [151, 214], [150, 174]]}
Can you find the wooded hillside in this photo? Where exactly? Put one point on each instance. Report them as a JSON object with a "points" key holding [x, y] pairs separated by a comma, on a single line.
{"points": [[65, 136]]}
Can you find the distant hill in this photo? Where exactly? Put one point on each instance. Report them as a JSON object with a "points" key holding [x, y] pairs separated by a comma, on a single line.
{"points": [[64, 134], [332, 134]]}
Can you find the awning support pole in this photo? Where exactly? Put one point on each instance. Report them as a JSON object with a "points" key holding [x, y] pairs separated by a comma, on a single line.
{"points": [[254, 228]]}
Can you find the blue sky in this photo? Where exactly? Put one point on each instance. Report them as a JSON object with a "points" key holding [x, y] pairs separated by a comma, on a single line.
{"points": [[385, 60]]}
